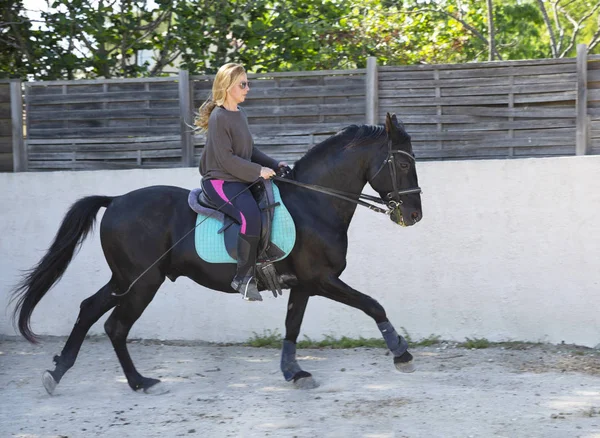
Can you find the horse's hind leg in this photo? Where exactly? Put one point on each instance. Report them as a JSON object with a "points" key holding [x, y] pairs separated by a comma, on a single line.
{"points": [[289, 367], [91, 309], [121, 320], [337, 290]]}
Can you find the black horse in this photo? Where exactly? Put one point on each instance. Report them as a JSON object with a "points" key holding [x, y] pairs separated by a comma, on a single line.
{"points": [[140, 226]]}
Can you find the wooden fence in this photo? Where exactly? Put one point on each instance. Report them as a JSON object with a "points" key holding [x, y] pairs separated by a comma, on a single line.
{"points": [[6, 151], [593, 105], [494, 110], [11, 127], [103, 124], [484, 110]]}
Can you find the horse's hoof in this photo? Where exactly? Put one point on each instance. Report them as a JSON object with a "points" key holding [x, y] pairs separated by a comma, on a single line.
{"points": [[406, 367], [304, 380], [404, 363], [49, 382], [156, 389], [151, 386]]}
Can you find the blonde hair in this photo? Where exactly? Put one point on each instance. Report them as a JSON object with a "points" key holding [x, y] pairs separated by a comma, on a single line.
{"points": [[226, 77]]}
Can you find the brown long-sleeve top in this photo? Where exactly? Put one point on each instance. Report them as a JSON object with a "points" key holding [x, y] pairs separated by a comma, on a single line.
{"points": [[229, 153]]}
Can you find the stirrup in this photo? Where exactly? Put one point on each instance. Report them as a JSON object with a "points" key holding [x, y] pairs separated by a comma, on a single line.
{"points": [[248, 291]]}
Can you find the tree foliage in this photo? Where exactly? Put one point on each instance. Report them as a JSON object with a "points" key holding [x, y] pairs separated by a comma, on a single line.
{"points": [[129, 38]]}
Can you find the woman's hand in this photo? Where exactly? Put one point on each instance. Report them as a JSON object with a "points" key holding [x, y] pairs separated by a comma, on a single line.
{"points": [[282, 164], [267, 172]]}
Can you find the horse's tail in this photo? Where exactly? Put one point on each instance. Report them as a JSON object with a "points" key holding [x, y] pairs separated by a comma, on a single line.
{"points": [[76, 225]]}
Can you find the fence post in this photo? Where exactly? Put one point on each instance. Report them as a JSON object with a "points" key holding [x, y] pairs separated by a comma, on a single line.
{"points": [[581, 139], [371, 91], [16, 115], [185, 117]]}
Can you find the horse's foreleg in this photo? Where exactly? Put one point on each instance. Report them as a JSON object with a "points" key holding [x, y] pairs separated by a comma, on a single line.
{"points": [[119, 324], [289, 367], [91, 309], [335, 289]]}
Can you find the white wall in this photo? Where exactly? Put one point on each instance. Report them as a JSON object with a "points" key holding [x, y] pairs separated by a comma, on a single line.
{"points": [[507, 250]]}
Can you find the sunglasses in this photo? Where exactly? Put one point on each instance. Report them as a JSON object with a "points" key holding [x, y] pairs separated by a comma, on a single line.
{"points": [[244, 84]]}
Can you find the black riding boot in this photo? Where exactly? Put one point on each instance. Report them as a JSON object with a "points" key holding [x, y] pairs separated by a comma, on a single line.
{"points": [[244, 281]]}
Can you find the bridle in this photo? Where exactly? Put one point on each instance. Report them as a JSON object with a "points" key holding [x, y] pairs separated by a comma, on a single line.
{"points": [[392, 200], [395, 193]]}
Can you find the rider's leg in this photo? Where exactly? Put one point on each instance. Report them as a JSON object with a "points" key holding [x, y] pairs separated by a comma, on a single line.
{"points": [[235, 200]]}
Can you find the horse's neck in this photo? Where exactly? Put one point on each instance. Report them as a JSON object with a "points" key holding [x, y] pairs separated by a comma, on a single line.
{"points": [[334, 173], [345, 175]]}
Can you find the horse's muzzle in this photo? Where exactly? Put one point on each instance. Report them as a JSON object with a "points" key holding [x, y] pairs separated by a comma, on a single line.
{"points": [[397, 217]]}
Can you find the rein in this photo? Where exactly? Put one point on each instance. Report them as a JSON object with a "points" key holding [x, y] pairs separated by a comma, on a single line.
{"points": [[351, 197]]}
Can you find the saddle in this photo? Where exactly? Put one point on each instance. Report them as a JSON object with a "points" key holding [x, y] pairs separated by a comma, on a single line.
{"points": [[269, 202]]}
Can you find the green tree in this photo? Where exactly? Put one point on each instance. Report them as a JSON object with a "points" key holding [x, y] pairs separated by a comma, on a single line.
{"points": [[16, 52], [93, 38], [568, 23]]}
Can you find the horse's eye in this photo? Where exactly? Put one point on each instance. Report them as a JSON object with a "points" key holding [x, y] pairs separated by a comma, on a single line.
{"points": [[404, 166]]}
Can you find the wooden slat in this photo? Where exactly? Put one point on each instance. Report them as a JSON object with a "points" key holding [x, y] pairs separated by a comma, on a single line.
{"points": [[6, 145], [104, 132], [593, 75], [105, 155], [481, 82], [499, 142], [5, 127], [566, 149], [108, 147], [5, 92], [103, 81], [401, 93], [5, 109], [471, 122], [541, 112], [306, 110], [138, 96], [494, 136], [300, 91], [105, 114], [488, 100], [516, 89], [593, 95], [478, 73], [6, 162], [106, 140], [482, 65]]}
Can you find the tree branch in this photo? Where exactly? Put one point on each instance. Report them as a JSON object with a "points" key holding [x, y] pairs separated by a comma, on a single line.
{"points": [[576, 27], [561, 30], [595, 38], [491, 30], [460, 20], [549, 27], [23, 46]]}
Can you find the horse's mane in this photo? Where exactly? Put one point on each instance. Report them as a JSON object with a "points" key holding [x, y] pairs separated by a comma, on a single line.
{"points": [[353, 136]]}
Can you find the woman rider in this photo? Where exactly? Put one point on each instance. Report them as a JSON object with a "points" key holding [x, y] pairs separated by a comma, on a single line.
{"points": [[229, 163]]}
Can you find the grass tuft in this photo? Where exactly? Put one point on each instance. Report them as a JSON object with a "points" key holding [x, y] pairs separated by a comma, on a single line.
{"points": [[476, 343], [269, 339], [274, 339]]}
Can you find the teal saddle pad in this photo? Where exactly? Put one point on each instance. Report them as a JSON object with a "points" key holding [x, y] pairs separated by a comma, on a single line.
{"points": [[210, 245]]}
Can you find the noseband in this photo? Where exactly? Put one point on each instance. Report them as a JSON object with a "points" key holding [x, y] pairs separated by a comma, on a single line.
{"points": [[390, 202]]}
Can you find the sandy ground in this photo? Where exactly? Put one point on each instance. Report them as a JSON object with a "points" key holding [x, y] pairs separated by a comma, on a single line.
{"points": [[231, 391]]}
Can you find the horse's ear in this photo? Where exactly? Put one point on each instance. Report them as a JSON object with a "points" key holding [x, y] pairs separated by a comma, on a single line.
{"points": [[390, 123]]}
